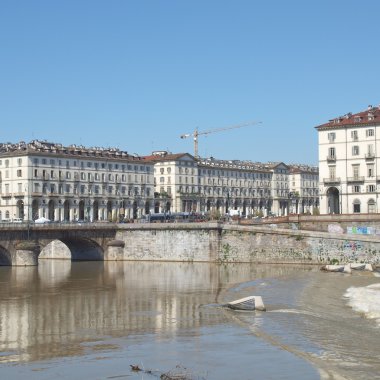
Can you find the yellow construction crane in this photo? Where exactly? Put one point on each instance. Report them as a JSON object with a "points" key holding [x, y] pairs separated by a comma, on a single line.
{"points": [[195, 134]]}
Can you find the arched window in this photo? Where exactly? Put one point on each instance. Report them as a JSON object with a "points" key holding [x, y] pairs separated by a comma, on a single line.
{"points": [[371, 206], [356, 206]]}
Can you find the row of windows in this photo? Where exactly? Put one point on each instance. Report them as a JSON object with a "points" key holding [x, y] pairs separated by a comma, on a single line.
{"points": [[355, 171], [6, 173], [85, 176], [90, 164], [82, 164], [355, 150], [80, 189], [218, 191], [369, 188], [6, 162], [371, 206], [354, 134]]}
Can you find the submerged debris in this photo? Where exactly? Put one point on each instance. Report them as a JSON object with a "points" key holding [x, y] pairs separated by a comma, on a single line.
{"points": [[135, 367], [248, 303], [178, 373]]}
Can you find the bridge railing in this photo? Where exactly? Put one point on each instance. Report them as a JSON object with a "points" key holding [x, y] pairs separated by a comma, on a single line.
{"points": [[32, 224]]}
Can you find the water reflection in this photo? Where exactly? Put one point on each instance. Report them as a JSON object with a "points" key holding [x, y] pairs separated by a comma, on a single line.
{"points": [[53, 272], [51, 310]]}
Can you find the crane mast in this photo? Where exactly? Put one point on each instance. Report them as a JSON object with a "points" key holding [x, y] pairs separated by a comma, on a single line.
{"points": [[196, 133]]}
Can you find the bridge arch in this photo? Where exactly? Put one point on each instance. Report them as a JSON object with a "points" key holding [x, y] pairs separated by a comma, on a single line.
{"points": [[5, 257], [74, 249]]}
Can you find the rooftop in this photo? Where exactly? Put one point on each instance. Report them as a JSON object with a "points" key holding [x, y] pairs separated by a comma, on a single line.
{"points": [[370, 116], [37, 146]]}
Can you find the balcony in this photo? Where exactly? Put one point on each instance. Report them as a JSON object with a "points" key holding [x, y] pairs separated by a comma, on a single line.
{"points": [[355, 179], [19, 195], [6, 195], [331, 158], [331, 181], [370, 156]]}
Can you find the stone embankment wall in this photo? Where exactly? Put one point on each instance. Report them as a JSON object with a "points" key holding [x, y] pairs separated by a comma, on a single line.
{"points": [[235, 243]]}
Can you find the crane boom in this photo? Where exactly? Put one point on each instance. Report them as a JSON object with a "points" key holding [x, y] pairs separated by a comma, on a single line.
{"points": [[195, 134]]}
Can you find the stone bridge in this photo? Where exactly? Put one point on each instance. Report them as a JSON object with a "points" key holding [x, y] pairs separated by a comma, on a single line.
{"points": [[23, 244]]}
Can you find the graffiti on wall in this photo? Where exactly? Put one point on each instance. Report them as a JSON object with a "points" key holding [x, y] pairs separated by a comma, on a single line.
{"points": [[363, 230], [343, 250]]}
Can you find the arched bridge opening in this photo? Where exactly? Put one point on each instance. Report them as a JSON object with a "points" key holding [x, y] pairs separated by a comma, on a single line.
{"points": [[5, 257], [78, 249]]}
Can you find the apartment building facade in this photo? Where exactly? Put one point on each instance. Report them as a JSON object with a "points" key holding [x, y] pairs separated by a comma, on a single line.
{"points": [[304, 189], [184, 183], [349, 161], [42, 179]]}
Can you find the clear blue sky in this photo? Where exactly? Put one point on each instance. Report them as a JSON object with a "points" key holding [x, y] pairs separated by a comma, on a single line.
{"points": [[138, 74]]}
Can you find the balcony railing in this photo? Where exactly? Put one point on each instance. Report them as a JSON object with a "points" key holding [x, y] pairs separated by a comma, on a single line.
{"points": [[355, 179], [331, 158], [331, 180], [370, 156]]}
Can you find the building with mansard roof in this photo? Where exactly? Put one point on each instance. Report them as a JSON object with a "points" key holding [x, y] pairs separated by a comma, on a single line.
{"points": [[349, 148], [66, 183], [184, 183]]}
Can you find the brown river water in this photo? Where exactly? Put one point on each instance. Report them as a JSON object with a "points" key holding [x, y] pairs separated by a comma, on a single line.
{"points": [[93, 320]]}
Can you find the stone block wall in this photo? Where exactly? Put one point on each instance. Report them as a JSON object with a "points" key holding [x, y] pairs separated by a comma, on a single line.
{"points": [[170, 242], [232, 243]]}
